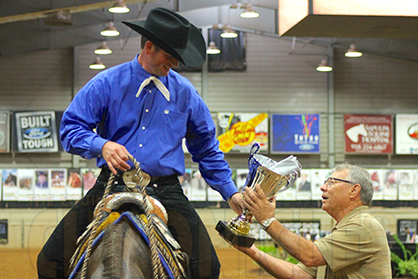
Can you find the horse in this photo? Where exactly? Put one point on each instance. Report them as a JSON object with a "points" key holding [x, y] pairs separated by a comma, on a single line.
{"points": [[122, 253], [128, 238], [11, 180], [354, 132]]}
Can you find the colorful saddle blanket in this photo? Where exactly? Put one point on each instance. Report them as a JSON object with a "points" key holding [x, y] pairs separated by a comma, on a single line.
{"points": [[130, 216]]}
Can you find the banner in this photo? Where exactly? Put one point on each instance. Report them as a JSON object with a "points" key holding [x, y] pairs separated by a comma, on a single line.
{"points": [[368, 134], [10, 186], [407, 134], [36, 131], [237, 132], [407, 230], [295, 133], [4, 235], [4, 131]]}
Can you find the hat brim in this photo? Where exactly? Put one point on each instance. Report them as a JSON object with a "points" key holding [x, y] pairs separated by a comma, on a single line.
{"points": [[194, 55]]}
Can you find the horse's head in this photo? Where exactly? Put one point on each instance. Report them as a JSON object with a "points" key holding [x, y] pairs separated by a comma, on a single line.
{"points": [[11, 180], [354, 132]]}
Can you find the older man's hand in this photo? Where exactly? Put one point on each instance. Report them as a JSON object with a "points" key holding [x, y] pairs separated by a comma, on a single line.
{"points": [[260, 206]]}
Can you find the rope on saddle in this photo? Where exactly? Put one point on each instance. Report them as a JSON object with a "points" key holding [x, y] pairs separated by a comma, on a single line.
{"points": [[96, 223], [156, 247]]}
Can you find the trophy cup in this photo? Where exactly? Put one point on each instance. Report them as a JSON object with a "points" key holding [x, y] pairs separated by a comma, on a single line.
{"points": [[273, 177]]}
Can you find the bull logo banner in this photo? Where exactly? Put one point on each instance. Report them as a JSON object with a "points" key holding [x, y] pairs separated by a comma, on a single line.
{"points": [[36, 131], [295, 133], [368, 134]]}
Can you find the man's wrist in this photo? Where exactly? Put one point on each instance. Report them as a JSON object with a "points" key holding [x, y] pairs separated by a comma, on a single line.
{"points": [[266, 223]]}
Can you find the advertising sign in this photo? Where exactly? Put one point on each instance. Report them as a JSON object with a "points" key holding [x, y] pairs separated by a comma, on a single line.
{"points": [[237, 132], [295, 133], [368, 134], [36, 131], [407, 230], [4, 131], [407, 134], [4, 236]]}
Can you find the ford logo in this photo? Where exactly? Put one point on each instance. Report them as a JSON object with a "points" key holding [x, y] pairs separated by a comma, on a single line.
{"points": [[36, 133]]}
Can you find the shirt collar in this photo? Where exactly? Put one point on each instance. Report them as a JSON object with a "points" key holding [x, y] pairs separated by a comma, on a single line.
{"points": [[350, 215], [145, 78]]}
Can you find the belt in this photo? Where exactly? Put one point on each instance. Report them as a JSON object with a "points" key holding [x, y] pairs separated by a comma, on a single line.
{"points": [[156, 181]]}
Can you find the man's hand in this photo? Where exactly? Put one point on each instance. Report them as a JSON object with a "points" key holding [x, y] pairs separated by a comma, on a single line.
{"points": [[243, 249], [236, 203], [116, 156], [256, 201]]}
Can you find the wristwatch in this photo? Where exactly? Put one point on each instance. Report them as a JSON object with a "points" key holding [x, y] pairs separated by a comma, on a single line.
{"points": [[266, 223]]}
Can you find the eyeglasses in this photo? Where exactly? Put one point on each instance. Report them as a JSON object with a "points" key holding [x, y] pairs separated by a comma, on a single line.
{"points": [[332, 180]]}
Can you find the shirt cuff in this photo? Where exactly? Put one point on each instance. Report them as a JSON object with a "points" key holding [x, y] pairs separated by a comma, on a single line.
{"points": [[228, 190], [97, 145]]}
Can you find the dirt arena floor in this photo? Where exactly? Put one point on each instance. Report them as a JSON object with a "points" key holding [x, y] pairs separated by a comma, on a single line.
{"points": [[21, 263]]}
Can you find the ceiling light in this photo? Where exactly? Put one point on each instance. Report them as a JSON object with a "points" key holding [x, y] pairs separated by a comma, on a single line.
{"points": [[60, 18], [249, 13], [97, 64], [110, 31], [353, 52], [229, 33], [212, 49], [119, 8], [103, 49], [323, 67]]}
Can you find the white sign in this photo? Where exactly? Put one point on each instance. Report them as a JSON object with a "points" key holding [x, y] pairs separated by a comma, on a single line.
{"points": [[407, 134]]}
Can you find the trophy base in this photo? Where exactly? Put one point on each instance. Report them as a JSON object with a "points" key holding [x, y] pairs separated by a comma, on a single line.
{"points": [[237, 239]]}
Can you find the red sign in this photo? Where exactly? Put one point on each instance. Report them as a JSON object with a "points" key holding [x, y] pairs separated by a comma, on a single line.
{"points": [[368, 134]]}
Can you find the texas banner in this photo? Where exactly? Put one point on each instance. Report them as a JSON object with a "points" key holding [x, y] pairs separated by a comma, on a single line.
{"points": [[368, 134], [295, 133]]}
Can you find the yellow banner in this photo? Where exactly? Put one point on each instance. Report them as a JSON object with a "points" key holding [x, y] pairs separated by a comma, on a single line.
{"points": [[241, 133]]}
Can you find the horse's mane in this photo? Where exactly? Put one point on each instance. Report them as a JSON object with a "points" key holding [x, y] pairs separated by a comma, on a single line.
{"points": [[122, 253]]}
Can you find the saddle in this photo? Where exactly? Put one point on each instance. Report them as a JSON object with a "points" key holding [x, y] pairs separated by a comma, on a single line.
{"points": [[131, 205]]}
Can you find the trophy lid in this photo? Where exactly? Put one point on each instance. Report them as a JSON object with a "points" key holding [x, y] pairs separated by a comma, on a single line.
{"points": [[284, 167]]}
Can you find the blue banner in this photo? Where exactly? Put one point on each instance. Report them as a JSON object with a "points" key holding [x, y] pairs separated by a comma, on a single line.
{"points": [[295, 133]]}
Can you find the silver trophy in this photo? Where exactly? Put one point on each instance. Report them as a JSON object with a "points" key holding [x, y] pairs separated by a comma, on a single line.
{"points": [[273, 177]]}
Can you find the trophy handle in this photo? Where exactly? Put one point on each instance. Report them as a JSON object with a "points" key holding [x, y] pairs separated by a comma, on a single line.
{"points": [[293, 176], [290, 181], [254, 149]]}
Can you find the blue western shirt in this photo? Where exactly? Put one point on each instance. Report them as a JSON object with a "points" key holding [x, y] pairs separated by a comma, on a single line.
{"points": [[149, 126]]}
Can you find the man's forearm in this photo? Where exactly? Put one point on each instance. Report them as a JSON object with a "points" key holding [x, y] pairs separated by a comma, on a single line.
{"points": [[277, 267], [299, 247]]}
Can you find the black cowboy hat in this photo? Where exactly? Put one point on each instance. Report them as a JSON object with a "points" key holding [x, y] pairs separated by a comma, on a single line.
{"points": [[174, 34]]}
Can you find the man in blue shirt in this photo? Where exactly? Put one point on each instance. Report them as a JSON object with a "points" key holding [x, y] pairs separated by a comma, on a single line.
{"points": [[143, 109]]}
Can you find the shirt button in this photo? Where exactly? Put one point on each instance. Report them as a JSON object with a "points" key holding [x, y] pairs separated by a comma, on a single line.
{"points": [[140, 145], [149, 91], [147, 110], [143, 128]]}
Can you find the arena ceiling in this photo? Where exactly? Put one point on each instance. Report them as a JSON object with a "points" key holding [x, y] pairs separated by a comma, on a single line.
{"points": [[29, 25]]}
